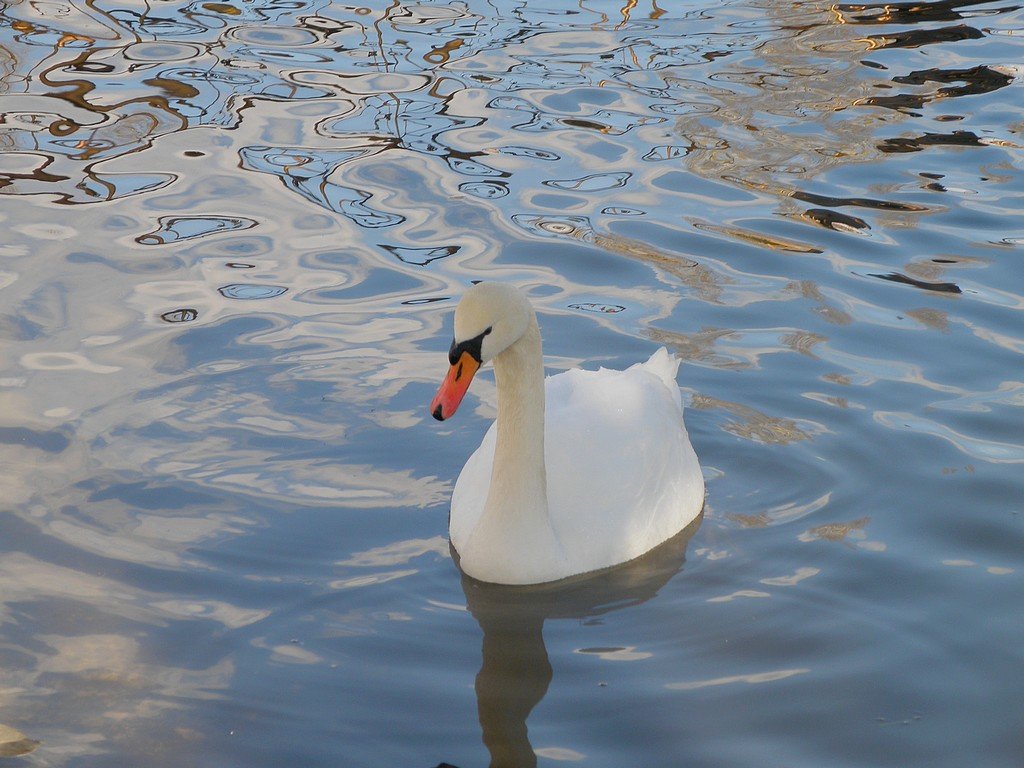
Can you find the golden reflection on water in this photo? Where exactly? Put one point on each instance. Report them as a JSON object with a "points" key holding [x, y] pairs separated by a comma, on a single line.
{"points": [[757, 426], [13, 743]]}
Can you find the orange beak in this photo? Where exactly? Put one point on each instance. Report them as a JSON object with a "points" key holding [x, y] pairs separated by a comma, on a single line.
{"points": [[454, 387]]}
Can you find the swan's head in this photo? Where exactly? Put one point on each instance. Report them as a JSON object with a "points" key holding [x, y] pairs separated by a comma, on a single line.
{"points": [[490, 318]]}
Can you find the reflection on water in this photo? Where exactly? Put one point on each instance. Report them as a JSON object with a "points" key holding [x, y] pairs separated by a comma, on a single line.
{"points": [[234, 233], [516, 672]]}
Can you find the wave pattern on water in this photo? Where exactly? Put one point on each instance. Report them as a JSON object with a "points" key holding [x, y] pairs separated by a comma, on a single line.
{"points": [[233, 236]]}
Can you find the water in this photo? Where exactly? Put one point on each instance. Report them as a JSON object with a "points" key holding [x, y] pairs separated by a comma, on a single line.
{"points": [[233, 235]]}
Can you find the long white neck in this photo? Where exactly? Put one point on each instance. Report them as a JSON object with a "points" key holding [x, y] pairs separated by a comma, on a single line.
{"points": [[518, 480], [514, 524]]}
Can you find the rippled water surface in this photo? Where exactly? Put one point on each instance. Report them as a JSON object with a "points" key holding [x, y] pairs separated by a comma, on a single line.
{"points": [[233, 236]]}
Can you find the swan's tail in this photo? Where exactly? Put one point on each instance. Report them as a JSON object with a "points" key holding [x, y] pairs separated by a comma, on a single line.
{"points": [[665, 366]]}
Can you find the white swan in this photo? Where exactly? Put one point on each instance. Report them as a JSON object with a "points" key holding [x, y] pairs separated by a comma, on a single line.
{"points": [[581, 471]]}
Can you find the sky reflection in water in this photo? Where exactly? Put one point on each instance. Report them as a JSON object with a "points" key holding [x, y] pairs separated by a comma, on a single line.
{"points": [[234, 234]]}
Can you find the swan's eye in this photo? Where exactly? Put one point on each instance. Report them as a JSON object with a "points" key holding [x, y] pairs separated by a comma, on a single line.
{"points": [[472, 346], [488, 331]]}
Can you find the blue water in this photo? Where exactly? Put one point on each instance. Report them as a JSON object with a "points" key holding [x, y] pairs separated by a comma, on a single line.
{"points": [[233, 237]]}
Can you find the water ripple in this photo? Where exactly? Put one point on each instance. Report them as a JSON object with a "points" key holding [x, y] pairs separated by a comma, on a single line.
{"points": [[977, 448], [179, 228], [234, 234]]}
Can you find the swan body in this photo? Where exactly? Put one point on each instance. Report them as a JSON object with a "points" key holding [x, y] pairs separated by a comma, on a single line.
{"points": [[580, 471]]}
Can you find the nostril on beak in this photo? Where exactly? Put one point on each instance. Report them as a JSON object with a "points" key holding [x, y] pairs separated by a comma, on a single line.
{"points": [[437, 414]]}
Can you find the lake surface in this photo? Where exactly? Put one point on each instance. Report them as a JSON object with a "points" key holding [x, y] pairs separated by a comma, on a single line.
{"points": [[233, 237]]}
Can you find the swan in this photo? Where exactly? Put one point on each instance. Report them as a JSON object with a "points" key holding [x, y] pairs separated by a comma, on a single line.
{"points": [[581, 471]]}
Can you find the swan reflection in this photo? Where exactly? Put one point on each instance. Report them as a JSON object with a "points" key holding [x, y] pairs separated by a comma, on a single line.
{"points": [[515, 672]]}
